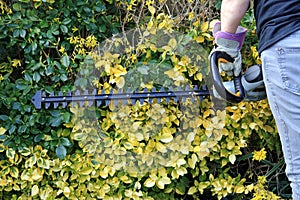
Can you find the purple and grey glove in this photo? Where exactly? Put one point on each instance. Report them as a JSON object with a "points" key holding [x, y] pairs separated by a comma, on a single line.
{"points": [[230, 44]]}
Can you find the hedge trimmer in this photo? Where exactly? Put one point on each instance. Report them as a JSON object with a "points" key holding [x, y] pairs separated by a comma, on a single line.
{"points": [[246, 87]]}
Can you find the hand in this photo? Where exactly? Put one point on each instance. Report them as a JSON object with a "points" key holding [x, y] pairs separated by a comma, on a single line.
{"points": [[230, 44]]}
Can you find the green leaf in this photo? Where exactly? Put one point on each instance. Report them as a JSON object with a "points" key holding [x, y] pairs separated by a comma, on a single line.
{"points": [[10, 153], [66, 117], [12, 129], [16, 7], [22, 33], [28, 77], [22, 129], [65, 142], [36, 77], [4, 117], [64, 29], [102, 28], [25, 1], [143, 70], [65, 60], [38, 138], [81, 82], [44, 24], [14, 171], [66, 21], [21, 84], [61, 152], [78, 136], [34, 47], [36, 66], [49, 70], [16, 33], [63, 77], [55, 122]]}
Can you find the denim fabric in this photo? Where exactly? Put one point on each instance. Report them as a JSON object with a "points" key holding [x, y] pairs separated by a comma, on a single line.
{"points": [[281, 70]]}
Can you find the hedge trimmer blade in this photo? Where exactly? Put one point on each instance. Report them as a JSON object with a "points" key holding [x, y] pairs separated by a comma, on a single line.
{"points": [[94, 98]]}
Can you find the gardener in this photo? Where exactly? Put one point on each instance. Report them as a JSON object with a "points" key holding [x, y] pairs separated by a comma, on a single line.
{"points": [[278, 29]]}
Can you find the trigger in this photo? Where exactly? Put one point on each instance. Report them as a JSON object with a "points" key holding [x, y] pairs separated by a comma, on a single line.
{"points": [[222, 60]]}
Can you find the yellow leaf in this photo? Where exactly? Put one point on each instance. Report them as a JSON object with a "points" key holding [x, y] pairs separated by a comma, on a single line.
{"points": [[10, 153], [260, 155], [199, 39], [16, 187], [224, 162], [167, 49], [180, 162], [252, 125], [31, 161], [204, 27], [67, 191], [139, 136], [164, 54], [162, 24], [190, 137], [181, 171], [192, 161], [16, 62], [149, 183], [239, 189], [34, 190], [37, 174], [104, 173], [86, 171], [120, 82], [230, 145], [232, 158], [199, 77], [2, 130], [192, 190], [203, 185], [125, 179], [162, 172], [197, 149], [128, 145], [162, 182], [166, 138], [136, 125], [150, 25], [14, 172], [161, 148], [151, 9], [172, 43], [174, 174]]}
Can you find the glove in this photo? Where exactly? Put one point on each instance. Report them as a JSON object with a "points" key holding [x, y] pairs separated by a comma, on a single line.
{"points": [[230, 44]]}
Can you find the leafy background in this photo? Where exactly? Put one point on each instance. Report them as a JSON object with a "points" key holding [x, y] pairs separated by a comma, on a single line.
{"points": [[233, 153]]}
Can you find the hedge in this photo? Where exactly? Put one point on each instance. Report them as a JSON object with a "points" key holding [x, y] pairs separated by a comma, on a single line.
{"points": [[134, 150]]}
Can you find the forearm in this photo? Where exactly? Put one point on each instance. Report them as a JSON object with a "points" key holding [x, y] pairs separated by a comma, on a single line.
{"points": [[232, 12]]}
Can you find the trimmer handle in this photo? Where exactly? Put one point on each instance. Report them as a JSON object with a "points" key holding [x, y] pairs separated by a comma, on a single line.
{"points": [[215, 59]]}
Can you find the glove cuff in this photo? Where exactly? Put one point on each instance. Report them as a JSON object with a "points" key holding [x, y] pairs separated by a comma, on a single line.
{"points": [[239, 36]]}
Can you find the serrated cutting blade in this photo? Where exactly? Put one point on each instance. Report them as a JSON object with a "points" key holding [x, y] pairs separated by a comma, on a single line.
{"points": [[84, 98]]}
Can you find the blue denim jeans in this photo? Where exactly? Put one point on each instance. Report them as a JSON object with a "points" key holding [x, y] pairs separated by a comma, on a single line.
{"points": [[281, 70]]}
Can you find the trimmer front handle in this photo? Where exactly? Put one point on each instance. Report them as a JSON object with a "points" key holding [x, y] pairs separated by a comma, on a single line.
{"points": [[216, 58]]}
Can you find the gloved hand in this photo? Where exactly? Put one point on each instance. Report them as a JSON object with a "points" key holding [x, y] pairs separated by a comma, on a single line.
{"points": [[230, 44]]}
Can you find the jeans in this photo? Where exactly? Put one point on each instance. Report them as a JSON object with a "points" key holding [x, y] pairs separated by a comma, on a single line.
{"points": [[281, 70]]}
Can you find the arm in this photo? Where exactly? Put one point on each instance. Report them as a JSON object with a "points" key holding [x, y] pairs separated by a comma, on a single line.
{"points": [[232, 12]]}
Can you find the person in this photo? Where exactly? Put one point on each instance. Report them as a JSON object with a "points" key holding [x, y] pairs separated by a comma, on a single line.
{"points": [[278, 31]]}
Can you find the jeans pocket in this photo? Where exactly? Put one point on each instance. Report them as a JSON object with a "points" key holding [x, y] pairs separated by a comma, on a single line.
{"points": [[289, 64]]}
